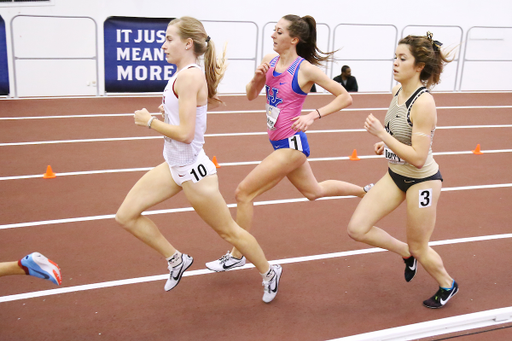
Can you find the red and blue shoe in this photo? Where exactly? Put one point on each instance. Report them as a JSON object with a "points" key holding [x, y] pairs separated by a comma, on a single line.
{"points": [[37, 265]]}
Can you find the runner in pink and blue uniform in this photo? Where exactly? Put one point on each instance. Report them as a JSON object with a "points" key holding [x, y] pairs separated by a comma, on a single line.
{"points": [[284, 103], [287, 78]]}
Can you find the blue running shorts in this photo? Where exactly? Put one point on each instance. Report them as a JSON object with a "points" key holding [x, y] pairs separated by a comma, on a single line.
{"points": [[299, 141]]}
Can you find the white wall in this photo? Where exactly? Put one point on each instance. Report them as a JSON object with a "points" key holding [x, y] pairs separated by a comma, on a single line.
{"points": [[36, 37]]}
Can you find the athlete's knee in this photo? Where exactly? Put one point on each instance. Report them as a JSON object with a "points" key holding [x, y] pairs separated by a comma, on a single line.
{"points": [[312, 196], [242, 195], [124, 219], [313, 192], [229, 234], [418, 251], [355, 232]]}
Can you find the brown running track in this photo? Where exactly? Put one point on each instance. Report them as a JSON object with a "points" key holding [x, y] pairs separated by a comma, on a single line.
{"points": [[317, 300]]}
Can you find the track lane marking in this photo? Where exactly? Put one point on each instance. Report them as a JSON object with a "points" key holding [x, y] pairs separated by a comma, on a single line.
{"points": [[257, 133], [448, 325], [14, 118], [242, 163], [190, 209], [293, 260]]}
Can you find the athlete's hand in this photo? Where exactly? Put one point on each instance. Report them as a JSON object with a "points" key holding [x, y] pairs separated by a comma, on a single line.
{"points": [[379, 148], [373, 126], [162, 110], [303, 122], [142, 117], [261, 71]]}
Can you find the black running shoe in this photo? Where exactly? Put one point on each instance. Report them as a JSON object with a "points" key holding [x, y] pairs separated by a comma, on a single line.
{"points": [[441, 297], [411, 267]]}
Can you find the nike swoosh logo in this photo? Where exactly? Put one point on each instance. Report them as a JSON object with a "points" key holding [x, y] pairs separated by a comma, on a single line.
{"points": [[282, 83], [443, 302], [229, 266], [41, 273], [409, 181], [275, 284], [275, 288], [179, 272], [182, 270], [412, 268], [184, 267]]}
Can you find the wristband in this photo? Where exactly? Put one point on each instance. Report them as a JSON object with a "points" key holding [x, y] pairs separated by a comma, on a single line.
{"points": [[319, 116], [151, 121]]}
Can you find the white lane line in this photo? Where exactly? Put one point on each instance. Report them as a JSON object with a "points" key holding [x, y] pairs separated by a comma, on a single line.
{"points": [[257, 133], [293, 260], [190, 209], [443, 326], [14, 118], [244, 163], [110, 139], [104, 171], [370, 109]]}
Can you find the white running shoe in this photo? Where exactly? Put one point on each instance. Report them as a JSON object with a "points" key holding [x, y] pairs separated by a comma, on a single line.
{"points": [[270, 287], [177, 272], [225, 262]]}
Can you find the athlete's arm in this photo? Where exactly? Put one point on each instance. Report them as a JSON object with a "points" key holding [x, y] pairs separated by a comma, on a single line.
{"points": [[188, 86], [423, 117], [253, 88], [310, 74]]}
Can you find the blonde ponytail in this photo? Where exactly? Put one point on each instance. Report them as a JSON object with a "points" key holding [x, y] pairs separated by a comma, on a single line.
{"points": [[214, 68]]}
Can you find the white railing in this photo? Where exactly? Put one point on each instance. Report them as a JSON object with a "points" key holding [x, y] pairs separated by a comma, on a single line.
{"points": [[63, 55], [51, 50]]}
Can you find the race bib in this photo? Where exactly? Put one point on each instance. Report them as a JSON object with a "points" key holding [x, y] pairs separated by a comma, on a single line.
{"points": [[198, 173], [295, 142], [272, 115], [392, 157]]}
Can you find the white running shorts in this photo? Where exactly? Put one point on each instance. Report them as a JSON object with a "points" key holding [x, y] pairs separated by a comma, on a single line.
{"points": [[203, 167]]}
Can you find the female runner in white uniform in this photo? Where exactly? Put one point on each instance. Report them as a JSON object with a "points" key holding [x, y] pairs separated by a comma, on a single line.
{"points": [[187, 167]]}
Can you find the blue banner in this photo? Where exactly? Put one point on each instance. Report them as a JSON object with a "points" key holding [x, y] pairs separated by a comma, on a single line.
{"points": [[4, 69], [134, 59]]}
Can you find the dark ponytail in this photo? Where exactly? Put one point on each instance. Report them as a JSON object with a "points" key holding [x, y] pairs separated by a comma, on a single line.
{"points": [[428, 52], [305, 30]]}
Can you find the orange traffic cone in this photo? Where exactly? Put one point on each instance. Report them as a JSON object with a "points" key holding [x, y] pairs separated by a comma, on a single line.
{"points": [[477, 150], [214, 160], [354, 156], [49, 173]]}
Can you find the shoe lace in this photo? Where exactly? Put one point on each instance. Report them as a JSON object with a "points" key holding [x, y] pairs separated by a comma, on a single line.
{"points": [[438, 295], [225, 258], [176, 268], [267, 284]]}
